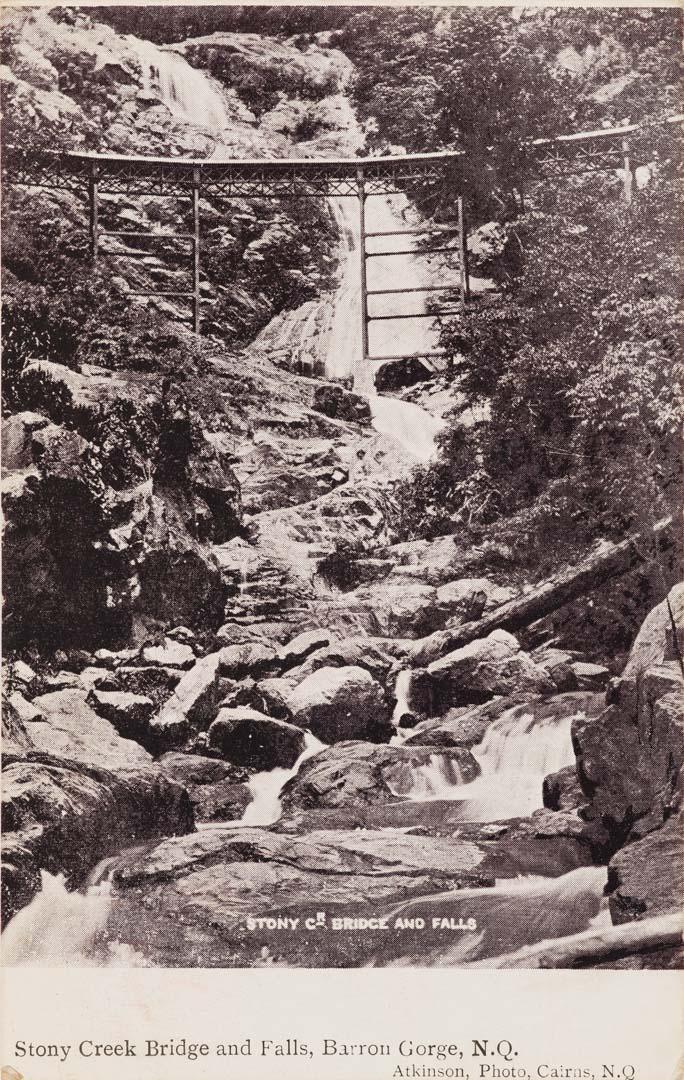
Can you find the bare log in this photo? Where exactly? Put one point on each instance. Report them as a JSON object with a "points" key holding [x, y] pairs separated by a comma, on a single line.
{"points": [[596, 947], [612, 560]]}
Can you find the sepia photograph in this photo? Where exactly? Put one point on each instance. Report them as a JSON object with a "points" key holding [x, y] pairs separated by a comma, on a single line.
{"points": [[342, 493]]}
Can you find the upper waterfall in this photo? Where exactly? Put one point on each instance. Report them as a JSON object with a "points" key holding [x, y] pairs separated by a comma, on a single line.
{"points": [[191, 95]]}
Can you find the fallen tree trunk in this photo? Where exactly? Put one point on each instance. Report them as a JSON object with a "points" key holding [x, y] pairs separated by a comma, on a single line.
{"points": [[596, 947], [612, 560]]}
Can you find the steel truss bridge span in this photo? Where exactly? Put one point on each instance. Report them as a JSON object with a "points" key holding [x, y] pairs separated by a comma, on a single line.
{"points": [[299, 177], [110, 175]]}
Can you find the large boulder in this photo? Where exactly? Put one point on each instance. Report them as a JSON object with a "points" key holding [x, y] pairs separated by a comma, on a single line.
{"points": [[110, 508], [340, 404], [562, 790], [358, 651], [358, 773], [590, 676], [406, 609], [73, 730], [215, 883], [628, 761], [218, 790], [58, 565], [340, 703], [275, 695], [647, 877], [129, 714], [192, 705], [171, 654], [17, 439], [629, 758], [249, 658], [464, 727], [78, 793], [247, 737], [483, 669], [653, 644], [65, 815], [396, 374], [302, 646]]}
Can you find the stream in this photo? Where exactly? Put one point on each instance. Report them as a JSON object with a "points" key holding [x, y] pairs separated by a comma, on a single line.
{"points": [[62, 927]]}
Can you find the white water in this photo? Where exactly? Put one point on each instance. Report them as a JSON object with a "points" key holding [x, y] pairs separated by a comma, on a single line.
{"points": [[266, 787], [191, 95], [517, 752], [514, 913], [401, 693], [65, 929], [326, 333]]}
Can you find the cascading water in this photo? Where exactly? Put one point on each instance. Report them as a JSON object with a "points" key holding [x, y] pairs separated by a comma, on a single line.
{"points": [[401, 694], [520, 748], [266, 787], [66, 929], [518, 751], [191, 95], [518, 912], [326, 334], [437, 778]]}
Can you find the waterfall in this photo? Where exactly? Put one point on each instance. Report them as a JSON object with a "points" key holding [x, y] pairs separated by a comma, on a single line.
{"points": [[410, 425], [191, 95], [266, 787], [517, 752], [520, 748], [327, 331], [66, 929], [401, 693]]}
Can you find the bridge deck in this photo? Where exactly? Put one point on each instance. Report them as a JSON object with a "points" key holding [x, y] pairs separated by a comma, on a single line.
{"points": [[97, 175], [295, 177]]}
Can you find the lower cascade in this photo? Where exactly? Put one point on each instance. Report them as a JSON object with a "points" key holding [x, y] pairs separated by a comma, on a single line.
{"points": [[517, 752], [60, 928], [514, 913], [266, 787]]}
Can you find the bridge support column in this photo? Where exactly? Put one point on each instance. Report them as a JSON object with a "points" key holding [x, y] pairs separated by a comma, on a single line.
{"points": [[463, 253], [362, 247], [196, 250], [628, 173], [94, 208]]}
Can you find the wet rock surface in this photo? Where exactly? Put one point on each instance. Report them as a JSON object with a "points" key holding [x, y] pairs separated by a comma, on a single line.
{"points": [[247, 737], [215, 880], [647, 877], [357, 773]]}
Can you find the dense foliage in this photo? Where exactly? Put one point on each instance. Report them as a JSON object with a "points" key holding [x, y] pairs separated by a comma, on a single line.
{"points": [[485, 80], [574, 365]]}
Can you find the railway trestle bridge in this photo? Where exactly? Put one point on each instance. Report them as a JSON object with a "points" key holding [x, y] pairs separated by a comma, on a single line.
{"points": [[104, 176]]}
